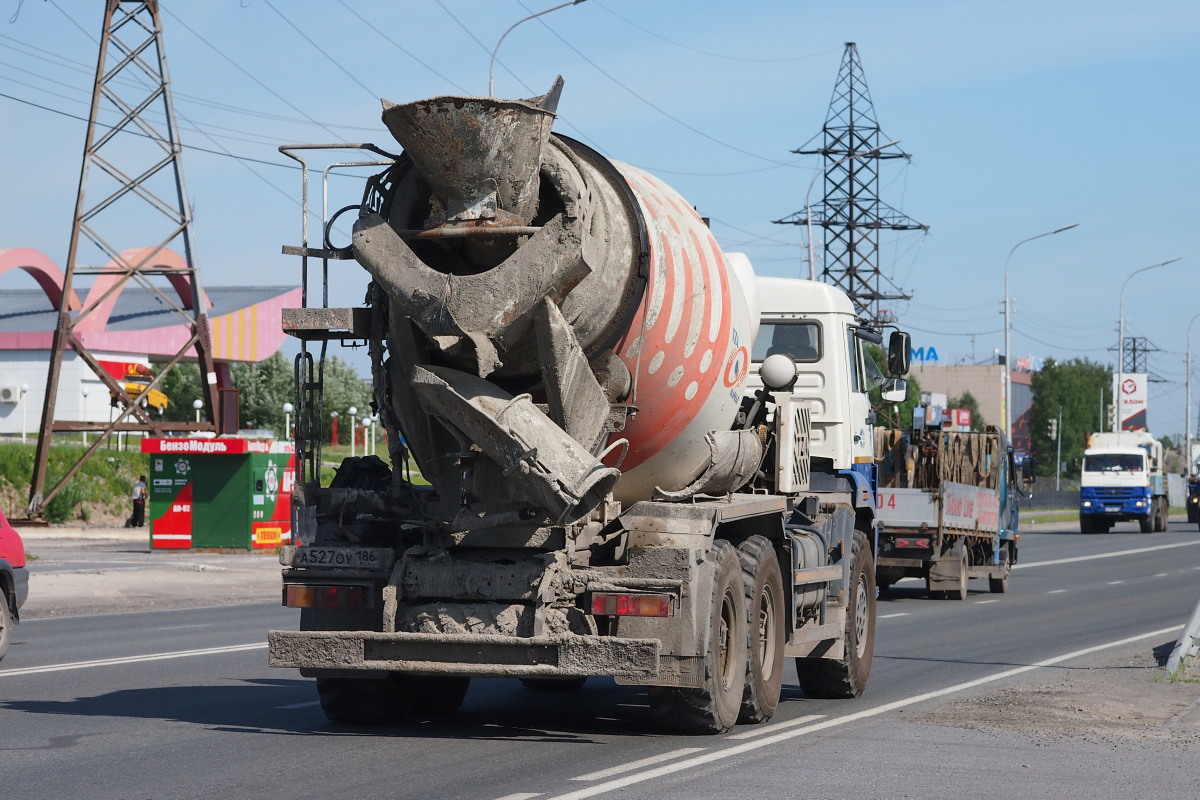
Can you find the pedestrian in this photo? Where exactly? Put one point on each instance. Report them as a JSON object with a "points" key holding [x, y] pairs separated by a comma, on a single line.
{"points": [[138, 519]]}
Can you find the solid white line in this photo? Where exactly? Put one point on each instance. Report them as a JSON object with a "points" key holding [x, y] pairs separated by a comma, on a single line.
{"points": [[738, 750], [110, 662], [632, 765], [1105, 555], [299, 705], [985, 602], [890, 616], [761, 730]]}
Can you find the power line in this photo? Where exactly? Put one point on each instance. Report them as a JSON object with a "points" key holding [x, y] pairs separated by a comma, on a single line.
{"points": [[321, 50], [397, 45], [657, 35], [652, 105]]}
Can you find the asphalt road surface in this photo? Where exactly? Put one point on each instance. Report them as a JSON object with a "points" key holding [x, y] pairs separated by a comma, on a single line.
{"points": [[179, 703]]}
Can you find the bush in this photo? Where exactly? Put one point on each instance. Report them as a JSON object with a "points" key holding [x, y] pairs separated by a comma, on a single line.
{"points": [[64, 506]]}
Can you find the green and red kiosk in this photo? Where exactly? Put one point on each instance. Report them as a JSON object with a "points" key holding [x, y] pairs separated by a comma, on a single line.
{"points": [[224, 493]]}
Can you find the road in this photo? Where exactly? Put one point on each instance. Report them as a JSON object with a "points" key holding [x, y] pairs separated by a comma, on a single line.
{"points": [[179, 703]]}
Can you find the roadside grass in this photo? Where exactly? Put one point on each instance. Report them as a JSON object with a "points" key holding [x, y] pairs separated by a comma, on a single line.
{"points": [[100, 488]]}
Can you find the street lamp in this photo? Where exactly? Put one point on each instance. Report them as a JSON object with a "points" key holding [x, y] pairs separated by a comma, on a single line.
{"points": [[24, 391], [287, 425], [492, 63], [353, 428], [812, 269], [83, 432], [1008, 328], [1121, 341], [1187, 447], [197, 404]]}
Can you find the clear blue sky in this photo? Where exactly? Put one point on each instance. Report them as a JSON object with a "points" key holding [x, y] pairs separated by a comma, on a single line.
{"points": [[1021, 117]]}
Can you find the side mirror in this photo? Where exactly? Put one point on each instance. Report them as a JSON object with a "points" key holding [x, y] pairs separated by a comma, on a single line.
{"points": [[895, 390], [1028, 471], [899, 353]]}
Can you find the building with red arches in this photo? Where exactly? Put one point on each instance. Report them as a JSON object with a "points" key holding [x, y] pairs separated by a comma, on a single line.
{"points": [[132, 324]]}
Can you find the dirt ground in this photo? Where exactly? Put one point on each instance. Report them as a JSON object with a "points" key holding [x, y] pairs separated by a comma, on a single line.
{"points": [[1110, 699]]}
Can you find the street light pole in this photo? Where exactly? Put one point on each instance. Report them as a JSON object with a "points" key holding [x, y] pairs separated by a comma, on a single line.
{"points": [[492, 63], [812, 268], [24, 391], [287, 425], [353, 428], [1008, 327], [1187, 409], [1121, 341]]}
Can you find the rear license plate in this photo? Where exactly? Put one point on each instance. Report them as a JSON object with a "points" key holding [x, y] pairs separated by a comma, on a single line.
{"points": [[372, 558]]}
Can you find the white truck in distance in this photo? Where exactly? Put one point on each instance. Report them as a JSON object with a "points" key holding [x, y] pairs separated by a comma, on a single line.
{"points": [[1122, 479], [631, 475]]}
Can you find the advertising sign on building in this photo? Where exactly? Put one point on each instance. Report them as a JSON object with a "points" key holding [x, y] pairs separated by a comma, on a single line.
{"points": [[1131, 401]]}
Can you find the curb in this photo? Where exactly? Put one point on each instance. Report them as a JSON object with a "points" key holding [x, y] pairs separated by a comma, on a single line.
{"points": [[33, 533]]}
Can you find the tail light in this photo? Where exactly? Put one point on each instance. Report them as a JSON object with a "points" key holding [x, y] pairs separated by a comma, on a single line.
{"points": [[621, 604], [296, 595]]}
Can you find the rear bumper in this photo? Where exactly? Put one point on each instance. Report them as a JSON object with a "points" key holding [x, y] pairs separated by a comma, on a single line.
{"points": [[474, 655]]}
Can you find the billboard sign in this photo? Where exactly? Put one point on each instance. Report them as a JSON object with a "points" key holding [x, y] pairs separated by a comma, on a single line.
{"points": [[1131, 403]]}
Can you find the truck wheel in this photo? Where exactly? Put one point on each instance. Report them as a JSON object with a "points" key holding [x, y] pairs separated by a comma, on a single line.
{"points": [[1148, 523], [959, 592], [1000, 585], [365, 700], [6, 623], [554, 684], [1087, 524], [436, 696], [713, 707], [764, 628], [1163, 513], [847, 677]]}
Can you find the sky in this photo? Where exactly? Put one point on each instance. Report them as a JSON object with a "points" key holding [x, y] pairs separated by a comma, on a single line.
{"points": [[1021, 117]]}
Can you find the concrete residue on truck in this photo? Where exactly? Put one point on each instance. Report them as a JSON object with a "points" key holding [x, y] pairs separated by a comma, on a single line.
{"points": [[646, 463]]}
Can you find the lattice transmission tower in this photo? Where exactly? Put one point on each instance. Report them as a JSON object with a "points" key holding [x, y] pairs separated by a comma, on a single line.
{"points": [[131, 190], [851, 214]]}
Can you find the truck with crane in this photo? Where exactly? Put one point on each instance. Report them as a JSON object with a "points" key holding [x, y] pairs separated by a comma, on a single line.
{"points": [[1122, 479], [644, 461]]}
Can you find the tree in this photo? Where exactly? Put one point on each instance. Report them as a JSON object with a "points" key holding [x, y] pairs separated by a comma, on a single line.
{"points": [[1083, 390], [264, 387], [967, 400]]}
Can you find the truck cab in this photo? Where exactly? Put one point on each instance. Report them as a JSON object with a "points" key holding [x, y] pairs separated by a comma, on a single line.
{"points": [[1122, 480]]}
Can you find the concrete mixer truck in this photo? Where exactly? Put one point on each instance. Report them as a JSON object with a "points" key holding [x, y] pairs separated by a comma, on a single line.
{"points": [[643, 461]]}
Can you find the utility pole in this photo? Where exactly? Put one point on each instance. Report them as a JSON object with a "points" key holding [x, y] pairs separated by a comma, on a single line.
{"points": [[1058, 453], [851, 212]]}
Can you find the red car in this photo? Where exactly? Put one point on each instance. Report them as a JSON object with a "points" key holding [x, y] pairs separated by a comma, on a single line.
{"points": [[14, 581]]}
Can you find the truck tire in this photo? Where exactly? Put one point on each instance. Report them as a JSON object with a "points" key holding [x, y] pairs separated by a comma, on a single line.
{"points": [[847, 677], [766, 610], [365, 700], [713, 707], [6, 622], [959, 592], [1087, 524], [1149, 523], [1000, 585], [435, 696], [1163, 512]]}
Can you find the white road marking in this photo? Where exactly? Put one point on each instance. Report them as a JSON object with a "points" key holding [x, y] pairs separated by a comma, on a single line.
{"points": [[985, 602], [519, 796], [309, 704], [632, 765], [1161, 575], [737, 750], [1117, 583], [1105, 555], [112, 662], [890, 616], [760, 730], [1056, 591]]}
